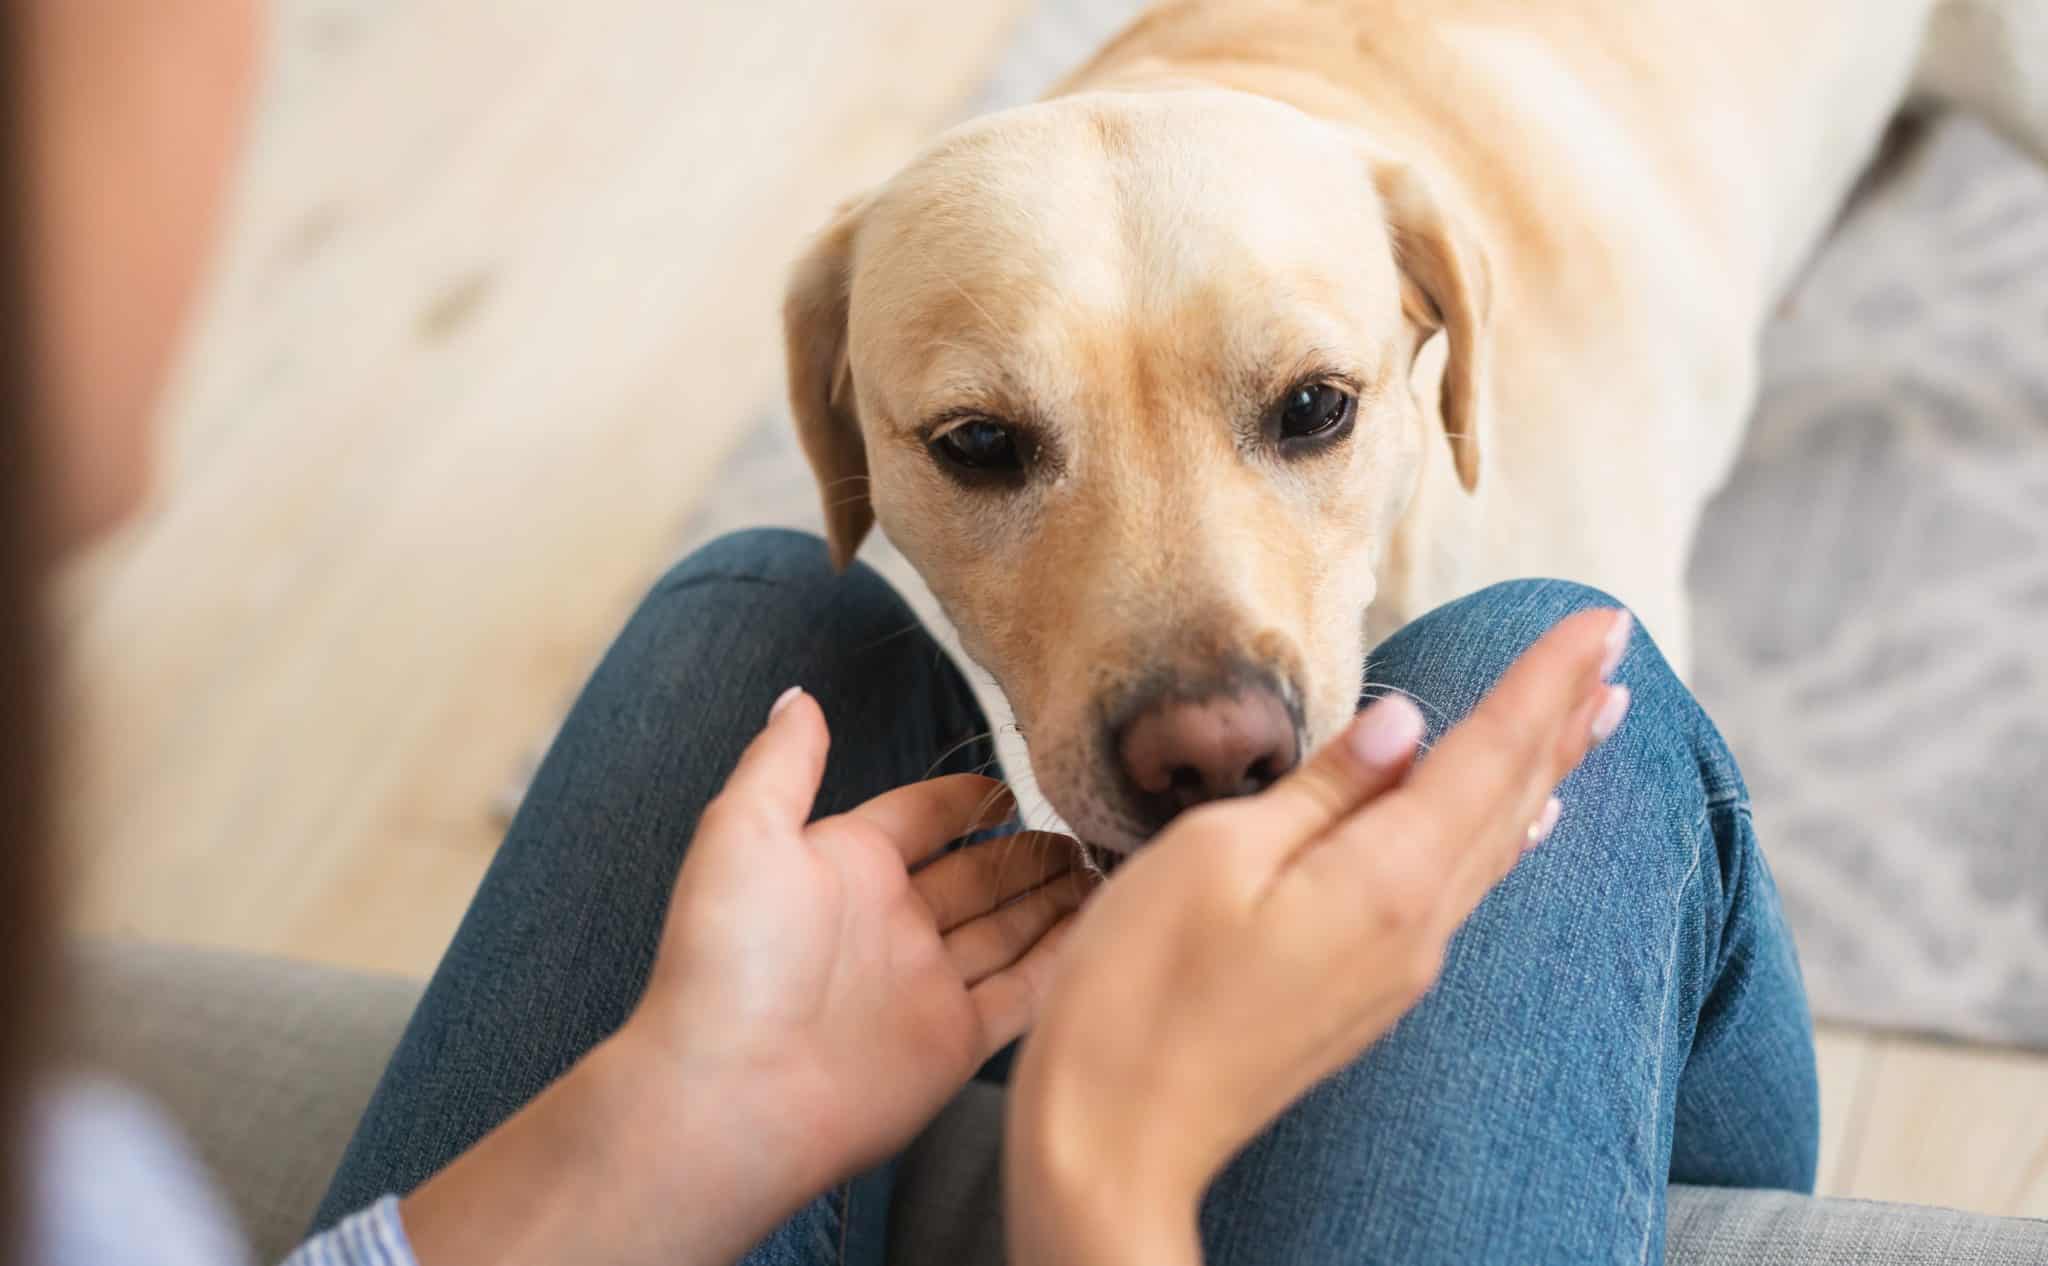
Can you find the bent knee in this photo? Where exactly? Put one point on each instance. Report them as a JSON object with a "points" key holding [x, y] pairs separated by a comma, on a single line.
{"points": [[1477, 636], [1452, 655], [753, 555], [783, 581]]}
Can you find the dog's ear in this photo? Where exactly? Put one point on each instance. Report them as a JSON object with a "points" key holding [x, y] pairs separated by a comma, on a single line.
{"points": [[821, 381], [1446, 285]]}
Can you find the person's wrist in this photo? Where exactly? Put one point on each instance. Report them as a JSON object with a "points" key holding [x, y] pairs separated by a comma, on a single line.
{"points": [[555, 1179], [631, 1157], [1070, 1200], [1094, 1175], [674, 1099]]}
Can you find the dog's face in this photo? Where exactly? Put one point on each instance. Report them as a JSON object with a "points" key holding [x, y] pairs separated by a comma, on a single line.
{"points": [[1128, 379]]}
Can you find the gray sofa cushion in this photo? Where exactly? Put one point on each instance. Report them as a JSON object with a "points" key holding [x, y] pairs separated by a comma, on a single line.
{"points": [[267, 1065], [1713, 1227]]}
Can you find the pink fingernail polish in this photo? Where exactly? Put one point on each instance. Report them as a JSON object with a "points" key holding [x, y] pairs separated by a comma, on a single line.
{"points": [[1617, 643], [783, 700], [1545, 823], [1611, 712], [1386, 733]]}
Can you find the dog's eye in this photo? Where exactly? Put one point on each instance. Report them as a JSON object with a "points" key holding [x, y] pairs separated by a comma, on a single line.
{"points": [[981, 447], [1315, 410]]}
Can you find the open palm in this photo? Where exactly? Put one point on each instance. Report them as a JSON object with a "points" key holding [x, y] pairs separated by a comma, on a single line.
{"points": [[856, 971]]}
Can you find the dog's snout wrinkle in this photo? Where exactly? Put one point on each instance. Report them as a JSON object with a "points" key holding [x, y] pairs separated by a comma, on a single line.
{"points": [[1177, 752]]}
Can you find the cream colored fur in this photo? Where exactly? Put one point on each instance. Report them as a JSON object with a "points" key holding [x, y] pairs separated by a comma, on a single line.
{"points": [[1540, 240]]}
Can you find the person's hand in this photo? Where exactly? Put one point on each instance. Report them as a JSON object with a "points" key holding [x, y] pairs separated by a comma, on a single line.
{"points": [[1258, 945], [820, 992], [855, 992]]}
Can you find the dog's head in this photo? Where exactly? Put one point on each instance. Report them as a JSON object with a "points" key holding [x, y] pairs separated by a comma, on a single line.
{"points": [[1128, 379]]}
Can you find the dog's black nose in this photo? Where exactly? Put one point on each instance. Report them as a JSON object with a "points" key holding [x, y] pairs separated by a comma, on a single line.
{"points": [[1178, 751]]}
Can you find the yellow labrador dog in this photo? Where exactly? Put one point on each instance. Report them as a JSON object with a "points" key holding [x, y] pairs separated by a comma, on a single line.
{"points": [[1283, 321]]}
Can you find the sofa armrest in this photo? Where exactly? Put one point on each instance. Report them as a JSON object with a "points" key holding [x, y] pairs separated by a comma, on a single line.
{"points": [[265, 1064]]}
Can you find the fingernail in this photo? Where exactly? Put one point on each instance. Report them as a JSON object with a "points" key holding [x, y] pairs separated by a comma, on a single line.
{"points": [[1611, 712], [1617, 643], [783, 700], [1545, 823], [1386, 733]]}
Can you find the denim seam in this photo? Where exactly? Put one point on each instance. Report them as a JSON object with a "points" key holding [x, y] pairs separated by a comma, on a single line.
{"points": [[1737, 882], [845, 1217], [1663, 1032]]}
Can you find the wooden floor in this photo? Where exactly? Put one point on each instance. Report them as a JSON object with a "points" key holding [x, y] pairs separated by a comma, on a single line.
{"points": [[498, 293]]}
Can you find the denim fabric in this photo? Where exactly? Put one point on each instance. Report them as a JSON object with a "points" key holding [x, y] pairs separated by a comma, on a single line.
{"points": [[556, 945], [1624, 1011]]}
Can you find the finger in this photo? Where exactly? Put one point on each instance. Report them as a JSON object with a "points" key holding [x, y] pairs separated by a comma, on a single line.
{"points": [[1008, 1001], [1524, 816], [981, 947], [924, 817], [969, 882], [1524, 826], [1492, 771], [1427, 851], [1367, 757], [776, 780]]}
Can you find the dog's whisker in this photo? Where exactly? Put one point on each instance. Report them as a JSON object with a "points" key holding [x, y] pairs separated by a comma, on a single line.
{"points": [[1091, 861], [969, 741], [1041, 809], [1382, 690], [988, 801], [1008, 847], [912, 627]]}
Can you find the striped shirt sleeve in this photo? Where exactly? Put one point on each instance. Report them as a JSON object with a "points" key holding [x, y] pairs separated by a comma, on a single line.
{"points": [[374, 1237]]}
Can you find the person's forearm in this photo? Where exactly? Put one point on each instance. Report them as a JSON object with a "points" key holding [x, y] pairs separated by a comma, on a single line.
{"points": [[620, 1163], [1064, 1206]]}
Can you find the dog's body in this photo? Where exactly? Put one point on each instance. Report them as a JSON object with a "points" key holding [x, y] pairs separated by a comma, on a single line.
{"points": [[1596, 203], [1643, 179]]}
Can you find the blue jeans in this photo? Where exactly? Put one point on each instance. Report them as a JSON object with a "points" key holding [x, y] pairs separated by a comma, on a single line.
{"points": [[1623, 1012]]}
